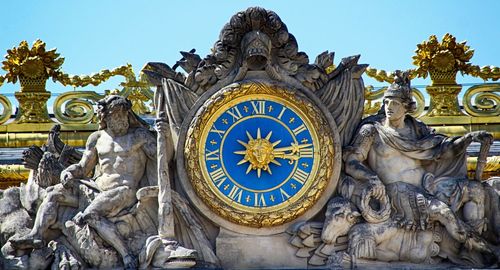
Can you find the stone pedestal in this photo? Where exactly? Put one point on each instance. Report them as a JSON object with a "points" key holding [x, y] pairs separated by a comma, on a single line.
{"points": [[240, 251]]}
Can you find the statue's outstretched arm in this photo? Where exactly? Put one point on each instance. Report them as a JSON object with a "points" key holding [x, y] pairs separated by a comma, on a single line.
{"points": [[459, 145]]}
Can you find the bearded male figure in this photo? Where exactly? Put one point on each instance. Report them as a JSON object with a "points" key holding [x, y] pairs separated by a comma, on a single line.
{"points": [[423, 174], [120, 150]]}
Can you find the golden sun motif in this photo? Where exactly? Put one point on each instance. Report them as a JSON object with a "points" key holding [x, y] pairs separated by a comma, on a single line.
{"points": [[260, 152]]}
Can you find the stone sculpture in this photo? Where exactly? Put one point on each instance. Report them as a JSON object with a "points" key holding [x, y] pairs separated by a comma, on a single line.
{"points": [[108, 214], [126, 201], [412, 189]]}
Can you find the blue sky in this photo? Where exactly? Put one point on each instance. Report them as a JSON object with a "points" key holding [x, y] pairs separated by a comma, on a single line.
{"points": [[97, 34]]}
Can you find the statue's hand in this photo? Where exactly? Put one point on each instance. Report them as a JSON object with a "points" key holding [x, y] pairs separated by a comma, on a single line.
{"points": [[66, 178], [162, 126], [481, 136], [377, 187]]}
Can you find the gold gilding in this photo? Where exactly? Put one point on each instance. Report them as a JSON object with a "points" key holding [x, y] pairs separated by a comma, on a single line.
{"points": [[250, 216]]}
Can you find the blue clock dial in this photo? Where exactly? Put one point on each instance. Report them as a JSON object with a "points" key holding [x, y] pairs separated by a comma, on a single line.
{"points": [[259, 153]]}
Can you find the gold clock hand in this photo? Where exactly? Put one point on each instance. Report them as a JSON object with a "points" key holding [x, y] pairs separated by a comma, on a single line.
{"points": [[294, 147], [295, 152]]}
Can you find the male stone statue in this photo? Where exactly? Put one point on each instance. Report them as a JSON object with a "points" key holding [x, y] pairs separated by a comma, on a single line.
{"points": [[423, 173], [119, 151]]}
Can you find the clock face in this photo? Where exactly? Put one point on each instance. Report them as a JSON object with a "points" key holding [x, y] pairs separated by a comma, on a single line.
{"points": [[259, 155]]}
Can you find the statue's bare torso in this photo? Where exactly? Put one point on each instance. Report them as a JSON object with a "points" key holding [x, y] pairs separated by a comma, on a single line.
{"points": [[121, 159], [393, 166]]}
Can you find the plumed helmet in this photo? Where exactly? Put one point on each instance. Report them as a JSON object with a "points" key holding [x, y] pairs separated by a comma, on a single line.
{"points": [[401, 88]]}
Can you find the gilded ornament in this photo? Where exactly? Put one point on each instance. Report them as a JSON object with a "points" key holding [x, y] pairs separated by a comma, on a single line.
{"points": [[32, 107], [444, 100], [12, 175], [486, 100], [6, 109], [76, 107], [259, 151], [96, 79], [32, 63], [442, 60]]}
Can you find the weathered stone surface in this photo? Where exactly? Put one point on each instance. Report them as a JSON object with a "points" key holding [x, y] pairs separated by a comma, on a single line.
{"points": [[434, 207], [102, 222], [237, 251], [403, 200]]}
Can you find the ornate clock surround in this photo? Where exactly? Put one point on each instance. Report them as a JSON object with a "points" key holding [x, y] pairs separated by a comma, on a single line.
{"points": [[273, 220]]}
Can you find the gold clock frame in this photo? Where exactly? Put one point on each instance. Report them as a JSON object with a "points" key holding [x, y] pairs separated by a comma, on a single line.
{"points": [[321, 185], [229, 102]]}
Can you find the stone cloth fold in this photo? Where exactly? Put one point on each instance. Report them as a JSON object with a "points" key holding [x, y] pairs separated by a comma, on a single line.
{"points": [[447, 177]]}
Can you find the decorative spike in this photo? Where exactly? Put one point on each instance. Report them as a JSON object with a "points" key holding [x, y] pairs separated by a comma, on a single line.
{"points": [[269, 135], [243, 143], [242, 161], [249, 136], [249, 168], [274, 161], [258, 133], [258, 172], [276, 143]]}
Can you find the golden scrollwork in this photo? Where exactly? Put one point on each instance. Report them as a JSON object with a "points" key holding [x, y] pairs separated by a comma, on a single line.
{"points": [[372, 107], [76, 107], [442, 60], [7, 109], [420, 100], [371, 96], [486, 100], [259, 219]]}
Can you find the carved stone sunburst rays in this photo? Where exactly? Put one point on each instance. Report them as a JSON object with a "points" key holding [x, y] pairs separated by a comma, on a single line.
{"points": [[259, 152]]}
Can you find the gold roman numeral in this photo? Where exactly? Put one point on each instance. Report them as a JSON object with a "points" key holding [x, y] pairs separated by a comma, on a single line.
{"points": [[300, 176], [235, 113], [281, 113], [219, 132], [259, 200], [218, 177], [259, 107], [212, 155], [299, 129], [284, 195], [306, 152], [235, 193]]}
